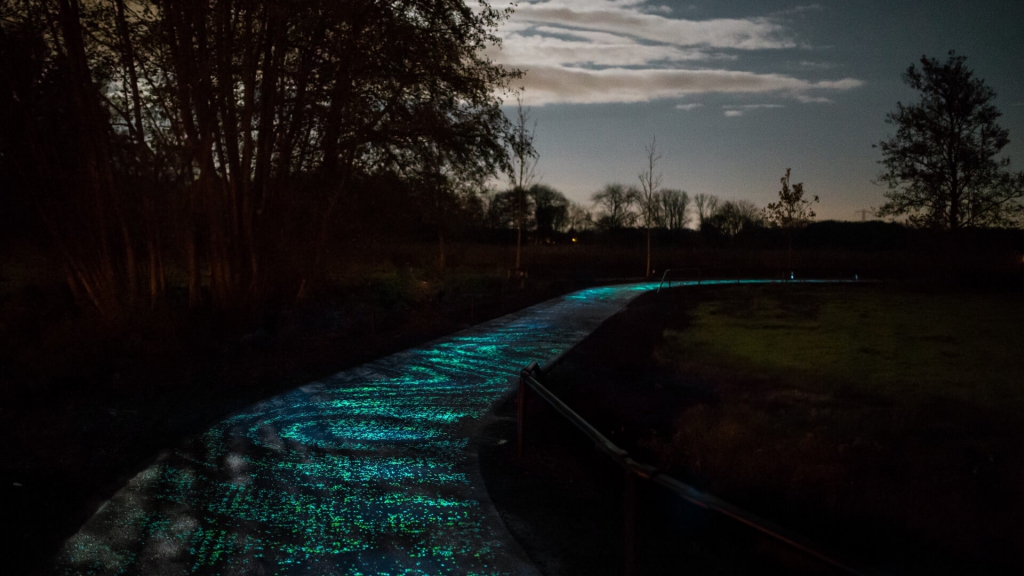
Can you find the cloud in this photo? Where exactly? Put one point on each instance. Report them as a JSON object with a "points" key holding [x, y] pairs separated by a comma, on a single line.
{"points": [[662, 9], [688, 107], [741, 34], [800, 9], [805, 99], [817, 65], [751, 106], [844, 84], [587, 47], [734, 110], [561, 84], [604, 51]]}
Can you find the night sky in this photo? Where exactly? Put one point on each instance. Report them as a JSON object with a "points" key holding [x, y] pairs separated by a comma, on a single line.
{"points": [[737, 92]]}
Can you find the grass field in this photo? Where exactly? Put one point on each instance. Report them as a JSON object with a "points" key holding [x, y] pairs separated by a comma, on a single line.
{"points": [[903, 346], [895, 410]]}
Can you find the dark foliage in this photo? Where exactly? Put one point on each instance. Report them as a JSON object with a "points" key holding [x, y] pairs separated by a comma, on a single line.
{"points": [[792, 210], [733, 217], [942, 165], [871, 236], [227, 139]]}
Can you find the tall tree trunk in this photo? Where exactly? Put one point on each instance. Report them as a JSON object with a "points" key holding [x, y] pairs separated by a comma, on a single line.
{"points": [[520, 210], [192, 256], [154, 279], [320, 247], [129, 261], [128, 57], [519, 246], [647, 273], [440, 252], [96, 184]]}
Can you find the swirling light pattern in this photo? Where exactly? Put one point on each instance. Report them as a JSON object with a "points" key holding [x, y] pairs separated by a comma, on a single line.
{"points": [[371, 471]]}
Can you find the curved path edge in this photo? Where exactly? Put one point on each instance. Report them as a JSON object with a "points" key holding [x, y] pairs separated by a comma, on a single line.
{"points": [[370, 471]]}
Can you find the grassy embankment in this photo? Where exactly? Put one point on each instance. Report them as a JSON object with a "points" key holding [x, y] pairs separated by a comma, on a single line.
{"points": [[858, 408]]}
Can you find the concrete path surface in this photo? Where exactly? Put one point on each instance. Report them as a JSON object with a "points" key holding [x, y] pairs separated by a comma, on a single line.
{"points": [[370, 471]]}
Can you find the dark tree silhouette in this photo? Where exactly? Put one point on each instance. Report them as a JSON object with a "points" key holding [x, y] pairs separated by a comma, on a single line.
{"points": [[578, 218], [647, 199], [229, 134], [550, 209], [37, 149], [941, 165], [521, 169], [706, 206], [501, 210], [674, 208], [792, 210], [733, 217], [615, 203]]}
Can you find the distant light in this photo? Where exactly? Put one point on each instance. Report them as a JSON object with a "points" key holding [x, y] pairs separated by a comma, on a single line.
{"points": [[856, 277], [573, 239], [791, 276]]}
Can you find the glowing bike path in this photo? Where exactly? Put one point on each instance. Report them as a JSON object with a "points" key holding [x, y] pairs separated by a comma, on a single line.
{"points": [[370, 471]]}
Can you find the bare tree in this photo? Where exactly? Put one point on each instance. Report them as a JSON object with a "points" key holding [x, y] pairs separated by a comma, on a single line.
{"points": [[616, 204], [734, 216], [522, 167], [648, 199], [578, 217], [706, 205], [675, 209]]}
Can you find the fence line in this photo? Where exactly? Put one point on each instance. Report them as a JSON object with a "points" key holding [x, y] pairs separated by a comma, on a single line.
{"points": [[664, 275], [634, 471]]}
